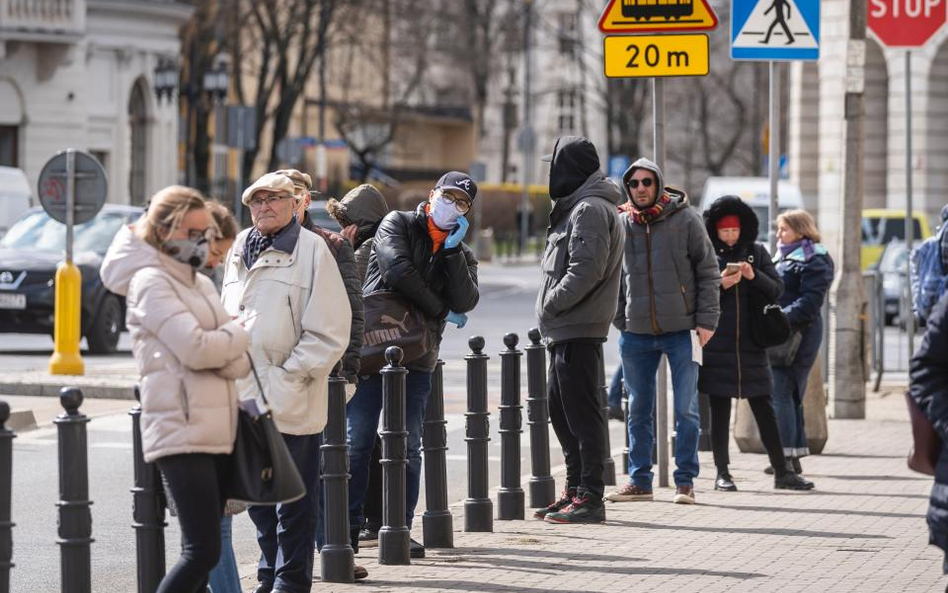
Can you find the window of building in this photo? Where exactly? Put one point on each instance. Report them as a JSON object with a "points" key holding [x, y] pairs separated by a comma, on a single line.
{"points": [[566, 110], [568, 27], [137, 122], [8, 146]]}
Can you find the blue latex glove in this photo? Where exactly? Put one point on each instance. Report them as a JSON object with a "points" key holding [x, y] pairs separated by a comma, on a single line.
{"points": [[454, 239], [458, 319]]}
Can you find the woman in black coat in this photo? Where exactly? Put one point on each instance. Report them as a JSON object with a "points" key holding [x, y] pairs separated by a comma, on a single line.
{"points": [[929, 389], [806, 269], [734, 365]]}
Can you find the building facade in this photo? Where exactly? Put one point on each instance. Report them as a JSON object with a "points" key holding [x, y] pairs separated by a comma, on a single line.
{"points": [[80, 74]]}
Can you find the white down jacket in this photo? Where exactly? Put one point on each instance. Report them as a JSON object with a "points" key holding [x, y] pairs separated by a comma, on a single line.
{"points": [[298, 316], [188, 350]]}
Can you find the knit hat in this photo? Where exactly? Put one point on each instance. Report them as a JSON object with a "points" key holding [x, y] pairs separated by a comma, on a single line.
{"points": [[728, 221], [277, 182]]}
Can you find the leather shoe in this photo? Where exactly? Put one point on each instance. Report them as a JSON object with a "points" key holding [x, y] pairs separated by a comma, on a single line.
{"points": [[725, 483], [416, 550], [792, 481], [264, 588], [359, 572]]}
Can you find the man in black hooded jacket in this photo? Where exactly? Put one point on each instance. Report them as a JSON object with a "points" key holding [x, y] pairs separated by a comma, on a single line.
{"points": [[575, 306]]}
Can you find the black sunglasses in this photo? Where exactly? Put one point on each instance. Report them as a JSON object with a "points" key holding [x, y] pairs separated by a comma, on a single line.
{"points": [[634, 183]]}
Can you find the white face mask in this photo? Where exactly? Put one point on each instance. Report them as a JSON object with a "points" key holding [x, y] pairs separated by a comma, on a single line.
{"points": [[444, 214]]}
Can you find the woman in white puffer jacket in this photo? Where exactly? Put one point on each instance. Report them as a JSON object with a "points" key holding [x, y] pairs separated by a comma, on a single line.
{"points": [[189, 353]]}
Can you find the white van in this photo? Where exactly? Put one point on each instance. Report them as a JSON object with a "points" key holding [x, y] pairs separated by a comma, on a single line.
{"points": [[756, 192], [15, 196]]}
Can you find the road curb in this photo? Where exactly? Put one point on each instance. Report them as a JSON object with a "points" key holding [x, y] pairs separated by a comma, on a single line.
{"points": [[52, 388]]}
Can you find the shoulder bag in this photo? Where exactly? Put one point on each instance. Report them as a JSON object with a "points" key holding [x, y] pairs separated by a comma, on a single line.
{"points": [[261, 470], [391, 321], [770, 326], [926, 444]]}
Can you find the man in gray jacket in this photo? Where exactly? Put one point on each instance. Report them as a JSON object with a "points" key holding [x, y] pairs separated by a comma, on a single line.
{"points": [[580, 273], [669, 304]]}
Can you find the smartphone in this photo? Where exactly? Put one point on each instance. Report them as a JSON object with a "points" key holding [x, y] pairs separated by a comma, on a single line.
{"points": [[732, 268]]}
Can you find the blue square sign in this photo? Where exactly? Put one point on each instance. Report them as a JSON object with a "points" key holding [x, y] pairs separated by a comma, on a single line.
{"points": [[775, 30]]}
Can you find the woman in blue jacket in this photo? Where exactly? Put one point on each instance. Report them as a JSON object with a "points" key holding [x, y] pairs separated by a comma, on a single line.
{"points": [[806, 269]]}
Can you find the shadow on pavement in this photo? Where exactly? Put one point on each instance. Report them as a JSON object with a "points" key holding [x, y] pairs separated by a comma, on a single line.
{"points": [[817, 511], [756, 531]]}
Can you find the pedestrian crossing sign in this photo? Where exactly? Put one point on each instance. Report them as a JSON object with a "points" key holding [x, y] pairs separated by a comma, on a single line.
{"points": [[775, 30]]}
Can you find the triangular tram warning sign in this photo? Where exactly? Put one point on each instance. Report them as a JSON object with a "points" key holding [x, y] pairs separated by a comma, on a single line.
{"points": [[650, 16]]}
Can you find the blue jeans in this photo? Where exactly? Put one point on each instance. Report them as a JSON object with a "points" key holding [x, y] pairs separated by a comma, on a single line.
{"points": [[363, 414], [641, 354], [286, 533], [615, 388], [225, 578], [789, 413]]}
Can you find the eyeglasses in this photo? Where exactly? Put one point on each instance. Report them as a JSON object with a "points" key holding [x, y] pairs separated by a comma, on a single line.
{"points": [[634, 183], [257, 203], [198, 234], [461, 204]]}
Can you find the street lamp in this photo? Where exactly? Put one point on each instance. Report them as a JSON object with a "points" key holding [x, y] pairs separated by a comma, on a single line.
{"points": [[166, 79], [217, 80], [217, 87]]}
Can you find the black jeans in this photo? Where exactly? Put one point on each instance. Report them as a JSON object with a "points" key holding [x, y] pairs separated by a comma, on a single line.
{"points": [[286, 533], [763, 410], [372, 508], [195, 480], [576, 413]]}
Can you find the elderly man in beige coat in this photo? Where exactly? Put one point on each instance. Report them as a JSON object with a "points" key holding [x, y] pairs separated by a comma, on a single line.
{"points": [[283, 283]]}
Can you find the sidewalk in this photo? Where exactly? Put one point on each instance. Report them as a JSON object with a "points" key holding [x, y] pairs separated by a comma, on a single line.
{"points": [[863, 529]]}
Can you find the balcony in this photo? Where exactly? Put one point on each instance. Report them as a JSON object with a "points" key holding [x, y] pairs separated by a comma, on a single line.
{"points": [[44, 21]]}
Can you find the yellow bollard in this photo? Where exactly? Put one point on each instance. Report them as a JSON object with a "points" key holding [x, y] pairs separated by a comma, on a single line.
{"points": [[67, 318]]}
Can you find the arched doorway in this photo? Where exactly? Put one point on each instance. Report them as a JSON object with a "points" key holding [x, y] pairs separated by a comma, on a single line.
{"points": [[876, 127], [935, 159], [138, 144]]}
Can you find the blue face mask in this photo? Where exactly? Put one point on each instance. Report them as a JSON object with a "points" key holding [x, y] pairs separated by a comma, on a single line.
{"points": [[443, 213]]}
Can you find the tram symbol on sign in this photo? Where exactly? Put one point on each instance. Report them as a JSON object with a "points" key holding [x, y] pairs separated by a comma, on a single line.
{"points": [[646, 9]]}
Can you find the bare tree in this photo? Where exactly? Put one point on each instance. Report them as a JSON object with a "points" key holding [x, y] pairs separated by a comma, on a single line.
{"points": [[626, 103]]}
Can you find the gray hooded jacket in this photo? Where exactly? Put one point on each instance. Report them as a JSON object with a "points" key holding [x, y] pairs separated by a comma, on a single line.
{"points": [[580, 267], [670, 277]]}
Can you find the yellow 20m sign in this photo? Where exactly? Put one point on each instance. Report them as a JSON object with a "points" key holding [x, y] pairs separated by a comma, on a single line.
{"points": [[651, 56]]}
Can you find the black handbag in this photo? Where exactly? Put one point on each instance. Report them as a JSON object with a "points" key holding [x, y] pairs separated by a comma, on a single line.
{"points": [[391, 321], [769, 326], [783, 355], [261, 470]]}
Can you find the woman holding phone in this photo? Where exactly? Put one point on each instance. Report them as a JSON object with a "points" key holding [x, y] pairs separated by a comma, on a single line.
{"points": [[734, 366]]}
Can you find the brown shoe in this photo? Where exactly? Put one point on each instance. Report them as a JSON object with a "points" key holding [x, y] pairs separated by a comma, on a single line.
{"points": [[359, 572], [684, 495], [629, 493]]}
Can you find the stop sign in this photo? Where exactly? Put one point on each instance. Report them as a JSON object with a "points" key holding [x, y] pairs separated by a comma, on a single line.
{"points": [[906, 23]]}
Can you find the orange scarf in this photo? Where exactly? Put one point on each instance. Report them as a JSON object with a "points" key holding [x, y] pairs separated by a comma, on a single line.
{"points": [[438, 236]]}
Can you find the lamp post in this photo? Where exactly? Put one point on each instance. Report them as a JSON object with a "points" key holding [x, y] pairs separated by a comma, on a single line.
{"points": [[217, 86]]}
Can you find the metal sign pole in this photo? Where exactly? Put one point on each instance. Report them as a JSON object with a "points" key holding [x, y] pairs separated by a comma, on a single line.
{"points": [[238, 205], [774, 160], [70, 200], [909, 315], [527, 138], [661, 393]]}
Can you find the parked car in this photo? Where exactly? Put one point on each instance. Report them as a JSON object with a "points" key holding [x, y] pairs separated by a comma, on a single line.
{"points": [[317, 211], [29, 255], [881, 226], [892, 266], [15, 196]]}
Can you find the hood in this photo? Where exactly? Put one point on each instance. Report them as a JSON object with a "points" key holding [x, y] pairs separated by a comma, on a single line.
{"points": [[596, 185], [643, 163], [129, 254], [363, 206], [732, 205], [574, 159]]}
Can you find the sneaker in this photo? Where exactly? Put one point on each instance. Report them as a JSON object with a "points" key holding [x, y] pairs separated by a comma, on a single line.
{"points": [[416, 550], [629, 493], [368, 538], [565, 499], [792, 481], [584, 509], [725, 483], [684, 495]]}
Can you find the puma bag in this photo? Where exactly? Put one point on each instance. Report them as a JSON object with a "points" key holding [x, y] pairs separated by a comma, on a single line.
{"points": [[391, 321]]}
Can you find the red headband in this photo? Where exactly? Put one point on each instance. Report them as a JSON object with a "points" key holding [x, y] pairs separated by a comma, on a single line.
{"points": [[730, 221]]}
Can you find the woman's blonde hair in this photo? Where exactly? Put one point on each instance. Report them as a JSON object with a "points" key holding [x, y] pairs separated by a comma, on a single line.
{"points": [[225, 224], [166, 209], [801, 223]]}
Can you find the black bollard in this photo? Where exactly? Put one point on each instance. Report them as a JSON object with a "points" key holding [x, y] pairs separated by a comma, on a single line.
{"points": [[704, 411], [625, 414], [478, 508], [6, 484], [542, 485], [75, 519], [437, 522], [336, 559], [148, 511], [609, 465], [510, 496], [394, 539]]}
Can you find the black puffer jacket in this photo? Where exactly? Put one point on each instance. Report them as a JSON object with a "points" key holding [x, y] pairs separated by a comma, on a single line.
{"points": [[734, 365], [929, 389], [435, 283]]}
